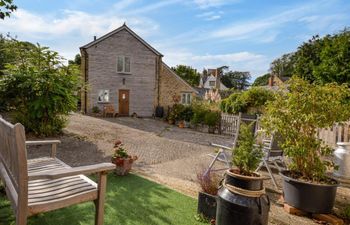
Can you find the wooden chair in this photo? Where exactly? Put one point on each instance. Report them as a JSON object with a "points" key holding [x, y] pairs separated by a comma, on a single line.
{"points": [[224, 153], [108, 110], [45, 184]]}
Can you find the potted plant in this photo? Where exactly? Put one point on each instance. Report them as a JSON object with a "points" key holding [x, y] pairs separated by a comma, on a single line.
{"points": [[209, 183], [122, 160], [297, 113], [211, 119], [187, 115], [242, 195]]}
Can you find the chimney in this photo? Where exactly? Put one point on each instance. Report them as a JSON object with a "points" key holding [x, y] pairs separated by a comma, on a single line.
{"points": [[95, 38]]}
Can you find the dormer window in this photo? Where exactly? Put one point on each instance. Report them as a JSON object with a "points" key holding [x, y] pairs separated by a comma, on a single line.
{"points": [[123, 64]]}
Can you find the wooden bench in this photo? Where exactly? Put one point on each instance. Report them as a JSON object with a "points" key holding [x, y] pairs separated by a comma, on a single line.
{"points": [[45, 184], [108, 110]]}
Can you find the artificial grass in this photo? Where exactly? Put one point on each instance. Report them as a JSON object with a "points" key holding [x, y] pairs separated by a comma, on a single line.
{"points": [[129, 200]]}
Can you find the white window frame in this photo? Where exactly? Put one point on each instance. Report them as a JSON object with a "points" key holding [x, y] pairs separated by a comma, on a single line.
{"points": [[123, 58], [186, 98], [211, 82], [104, 99]]}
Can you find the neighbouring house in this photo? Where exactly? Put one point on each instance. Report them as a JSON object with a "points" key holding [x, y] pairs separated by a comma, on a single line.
{"points": [[123, 70], [208, 82], [275, 81]]}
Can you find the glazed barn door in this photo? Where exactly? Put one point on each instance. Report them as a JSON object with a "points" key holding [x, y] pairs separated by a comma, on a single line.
{"points": [[124, 102]]}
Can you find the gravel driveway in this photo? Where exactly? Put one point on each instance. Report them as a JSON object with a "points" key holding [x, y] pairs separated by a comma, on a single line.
{"points": [[167, 154]]}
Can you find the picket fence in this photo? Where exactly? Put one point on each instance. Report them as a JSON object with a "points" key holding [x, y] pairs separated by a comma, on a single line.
{"points": [[330, 136]]}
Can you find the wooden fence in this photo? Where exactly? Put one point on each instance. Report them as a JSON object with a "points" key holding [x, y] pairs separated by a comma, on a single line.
{"points": [[337, 133], [330, 136]]}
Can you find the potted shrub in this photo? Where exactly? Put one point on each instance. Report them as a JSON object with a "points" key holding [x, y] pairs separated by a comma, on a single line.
{"points": [[297, 113], [242, 195], [211, 119], [187, 115], [122, 160], [209, 183]]}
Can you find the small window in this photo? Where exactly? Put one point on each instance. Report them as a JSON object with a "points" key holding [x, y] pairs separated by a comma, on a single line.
{"points": [[186, 98], [211, 83], [123, 64], [103, 96]]}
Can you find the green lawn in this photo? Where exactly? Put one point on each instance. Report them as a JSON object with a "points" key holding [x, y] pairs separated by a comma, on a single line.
{"points": [[130, 200]]}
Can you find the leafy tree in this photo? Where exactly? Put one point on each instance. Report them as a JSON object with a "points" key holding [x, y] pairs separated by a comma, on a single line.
{"points": [[187, 73], [283, 66], [6, 8], [236, 79], [250, 101], [76, 61], [262, 80], [39, 88]]}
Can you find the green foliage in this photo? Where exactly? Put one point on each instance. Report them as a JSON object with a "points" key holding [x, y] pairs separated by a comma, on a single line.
{"points": [[76, 61], [212, 118], [297, 113], [236, 80], [187, 73], [321, 60], [262, 80], [250, 101], [346, 212], [96, 109], [176, 112], [39, 89], [6, 8], [283, 66], [246, 156]]}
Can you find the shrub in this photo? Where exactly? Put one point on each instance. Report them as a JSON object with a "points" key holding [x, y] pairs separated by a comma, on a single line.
{"points": [[187, 113], [39, 88], [296, 114], [246, 156], [211, 118], [96, 109], [250, 101]]}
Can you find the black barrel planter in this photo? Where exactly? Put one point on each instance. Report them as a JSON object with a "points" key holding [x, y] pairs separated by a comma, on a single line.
{"points": [[207, 205], [309, 197], [240, 209]]}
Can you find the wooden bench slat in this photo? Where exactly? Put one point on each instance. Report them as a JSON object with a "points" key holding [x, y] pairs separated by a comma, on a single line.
{"points": [[57, 184]]}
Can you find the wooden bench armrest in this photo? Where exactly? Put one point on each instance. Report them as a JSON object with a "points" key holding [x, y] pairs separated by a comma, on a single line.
{"points": [[43, 142], [86, 170], [53, 144]]}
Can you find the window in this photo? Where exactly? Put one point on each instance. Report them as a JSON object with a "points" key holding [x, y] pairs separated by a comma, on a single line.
{"points": [[211, 83], [123, 64], [103, 96], [186, 98]]}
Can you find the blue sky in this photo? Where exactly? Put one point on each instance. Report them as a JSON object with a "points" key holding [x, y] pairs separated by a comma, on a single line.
{"points": [[246, 35]]}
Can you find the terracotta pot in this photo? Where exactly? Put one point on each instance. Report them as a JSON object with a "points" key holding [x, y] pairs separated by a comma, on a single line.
{"points": [[123, 165], [181, 124]]}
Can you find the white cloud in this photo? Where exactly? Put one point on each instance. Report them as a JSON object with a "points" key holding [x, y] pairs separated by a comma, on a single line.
{"points": [[242, 61], [205, 4]]}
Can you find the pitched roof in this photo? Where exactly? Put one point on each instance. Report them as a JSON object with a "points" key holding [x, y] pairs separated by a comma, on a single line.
{"points": [[179, 78], [124, 27]]}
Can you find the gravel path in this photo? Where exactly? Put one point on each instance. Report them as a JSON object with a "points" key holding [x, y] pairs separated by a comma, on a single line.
{"points": [[167, 154]]}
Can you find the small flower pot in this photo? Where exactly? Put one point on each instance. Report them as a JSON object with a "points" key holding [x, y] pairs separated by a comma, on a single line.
{"points": [[123, 165], [181, 124]]}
